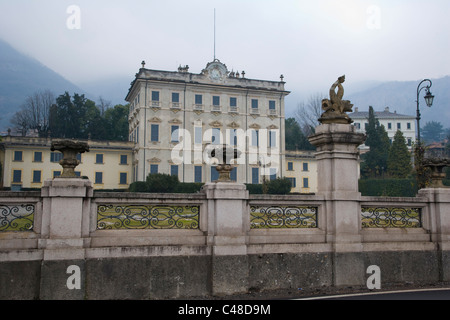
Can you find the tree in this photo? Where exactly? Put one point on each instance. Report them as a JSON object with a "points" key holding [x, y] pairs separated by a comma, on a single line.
{"points": [[432, 131], [399, 161], [375, 160], [308, 114], [294, 137], [116, 122], [35, 113]]}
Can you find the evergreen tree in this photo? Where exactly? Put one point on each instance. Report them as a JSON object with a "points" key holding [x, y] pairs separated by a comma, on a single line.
{"points": [[399, 161], [375, 161], [294, 137]]}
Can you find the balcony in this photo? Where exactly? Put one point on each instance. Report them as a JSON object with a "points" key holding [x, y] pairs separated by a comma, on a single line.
{"points": [[233, 110], [155, 104], [175, 105], [216, 109]]}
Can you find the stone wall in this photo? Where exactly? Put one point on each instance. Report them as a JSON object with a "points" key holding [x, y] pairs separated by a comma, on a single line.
{"points": [[221, 241]]}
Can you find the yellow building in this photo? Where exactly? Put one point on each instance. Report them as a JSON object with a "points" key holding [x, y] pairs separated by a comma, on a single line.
{"points": [[301, 170], [26, 162]]}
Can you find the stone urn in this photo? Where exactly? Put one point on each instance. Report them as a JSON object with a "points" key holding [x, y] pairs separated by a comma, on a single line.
{"points": [[69, 149], [437, 166], [224, 153]]}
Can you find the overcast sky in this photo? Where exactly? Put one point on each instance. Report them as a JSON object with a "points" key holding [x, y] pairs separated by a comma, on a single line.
{"points": [[310, 42]]}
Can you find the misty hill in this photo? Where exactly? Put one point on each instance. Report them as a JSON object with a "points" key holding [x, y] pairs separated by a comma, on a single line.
{"points": [[21, 76], [113, 90], [401, 96]]}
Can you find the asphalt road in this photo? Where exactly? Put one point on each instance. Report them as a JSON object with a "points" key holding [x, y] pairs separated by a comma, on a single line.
{"points": [[423, 294]]}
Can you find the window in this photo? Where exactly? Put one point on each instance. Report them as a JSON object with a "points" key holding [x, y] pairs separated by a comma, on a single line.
{"points": [[215, 139], [56, 156], [78, 173], [123, 159], [409, 142], [358, 125], [255, 175], [305, 166], [56, 174], [389, 126], [198, 99], [18, 156], [293, 182], [99, 177], [233, 102], [233, 174], [254, 103], [123, 178], [255, 138], [290, 166], [99, 158], [198, 174], [273, 174], [271, 104], [174, 134], [155, 95], [216, 101], [175, 97], [233, 137], [305, 183], [78, 156], [153, 168], [17, 176], [214, 174], [198, 135], [399, 126], [366, 125], [37, 156], [154, 132], [174, 170], [272, 139], [408, 125], [37, 176]]}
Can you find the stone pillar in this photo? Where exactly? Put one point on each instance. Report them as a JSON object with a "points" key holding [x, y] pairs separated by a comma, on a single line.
{"points": [[337, 173], [439, 212], [65, 222], [228, 223]]}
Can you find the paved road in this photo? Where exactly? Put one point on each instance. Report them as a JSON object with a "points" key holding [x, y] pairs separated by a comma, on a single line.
{"points": [[425, 294]]}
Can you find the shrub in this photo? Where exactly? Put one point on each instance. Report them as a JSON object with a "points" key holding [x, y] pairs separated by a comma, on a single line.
{"points": [[189, 187], [138, 186], [279, 186], [254, 188], [161, 182]]}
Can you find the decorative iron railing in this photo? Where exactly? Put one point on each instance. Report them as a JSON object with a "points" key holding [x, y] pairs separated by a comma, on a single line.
{"points": [[16, 217], [147, 217], [385, 217], [262, 217]]}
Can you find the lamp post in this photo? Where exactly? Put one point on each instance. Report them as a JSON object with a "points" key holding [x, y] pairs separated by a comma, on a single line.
{"points": [[428, 99]]}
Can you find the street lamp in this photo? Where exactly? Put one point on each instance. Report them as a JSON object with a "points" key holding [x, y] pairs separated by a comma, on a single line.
{"points": [[428, 100]]}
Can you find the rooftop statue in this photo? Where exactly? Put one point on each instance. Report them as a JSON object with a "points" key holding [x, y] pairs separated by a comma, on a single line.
{"points": [[335, 108]]}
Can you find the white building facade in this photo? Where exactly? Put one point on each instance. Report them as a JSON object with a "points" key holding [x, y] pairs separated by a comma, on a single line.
{"points": [[392, 122], [176, 117]]}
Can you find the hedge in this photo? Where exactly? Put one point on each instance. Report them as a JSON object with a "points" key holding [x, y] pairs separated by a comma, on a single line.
{"points": [[388, 187]]}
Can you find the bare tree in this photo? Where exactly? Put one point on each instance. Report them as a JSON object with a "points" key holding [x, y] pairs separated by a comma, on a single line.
{"points": [[35, 112], [103, 105], [308, 113]]}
